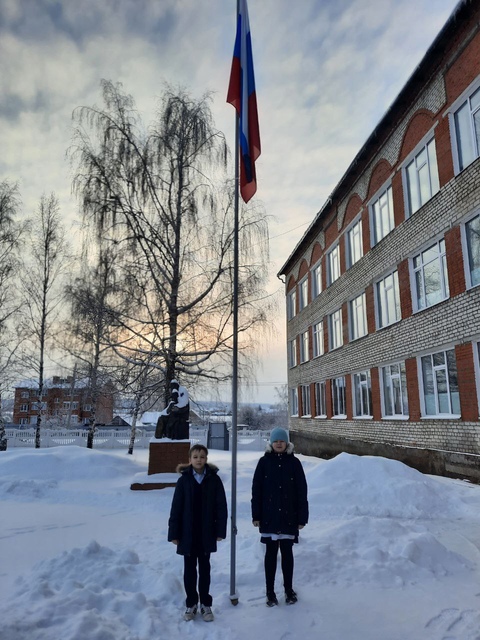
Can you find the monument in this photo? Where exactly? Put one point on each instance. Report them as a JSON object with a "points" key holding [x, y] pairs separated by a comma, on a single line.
{"points": [[171, 444]]}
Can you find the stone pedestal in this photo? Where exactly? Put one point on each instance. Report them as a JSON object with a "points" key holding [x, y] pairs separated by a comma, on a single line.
{"points": [[164, 457]]}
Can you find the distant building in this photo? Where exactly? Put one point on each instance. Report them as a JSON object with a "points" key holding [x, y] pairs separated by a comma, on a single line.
{"points": [[383, 290], [64, 403]]}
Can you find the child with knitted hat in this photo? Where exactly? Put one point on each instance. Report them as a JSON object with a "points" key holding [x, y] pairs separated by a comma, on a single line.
{"points": [[279, 509]]}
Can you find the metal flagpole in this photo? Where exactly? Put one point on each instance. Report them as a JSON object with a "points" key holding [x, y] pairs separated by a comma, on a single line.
{"points": [[233, 535]]}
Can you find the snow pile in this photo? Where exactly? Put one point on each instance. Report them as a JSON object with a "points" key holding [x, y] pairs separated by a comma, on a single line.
{"points": [[93, 593], [350, 485]]}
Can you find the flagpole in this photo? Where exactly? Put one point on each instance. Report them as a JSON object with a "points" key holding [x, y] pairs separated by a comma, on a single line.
{"points": [[233, 535]]}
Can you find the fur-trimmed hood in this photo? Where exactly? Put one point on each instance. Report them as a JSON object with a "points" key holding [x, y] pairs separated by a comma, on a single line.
{"points": [[184, 467], [290, 448]]}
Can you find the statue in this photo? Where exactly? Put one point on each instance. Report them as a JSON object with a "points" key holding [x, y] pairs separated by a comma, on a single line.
{"points": [[173, 421]]}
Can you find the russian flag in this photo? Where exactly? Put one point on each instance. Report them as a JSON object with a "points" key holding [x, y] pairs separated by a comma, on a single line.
{"points": [[241, 94]]}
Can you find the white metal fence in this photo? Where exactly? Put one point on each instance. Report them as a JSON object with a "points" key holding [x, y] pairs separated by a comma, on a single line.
{"points": [[247, 440]]}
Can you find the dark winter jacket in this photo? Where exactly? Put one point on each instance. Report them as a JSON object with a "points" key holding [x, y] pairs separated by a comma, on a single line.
{"points": [[182, 525], [279, 493]]}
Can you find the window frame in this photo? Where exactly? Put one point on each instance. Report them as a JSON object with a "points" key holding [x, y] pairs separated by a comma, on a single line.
{"points": [[293, 402], [318, 339], [352, 259], [403, 391], [338, 323], [466, 251], [423, 404], [386, 190], [396, 294], [335, 252], [306, 400], [343, 393], [292, 353], [320, 393], [358, 411], [455, 107], [476, 361], [304, 346], [433, 178], [354, 333], [316, 280], [291, 304], [302, 293], [443, 271]]}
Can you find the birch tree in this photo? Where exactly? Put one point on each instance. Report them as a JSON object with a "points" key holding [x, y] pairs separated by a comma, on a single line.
{"points": [[161, 194], [42, 276]]}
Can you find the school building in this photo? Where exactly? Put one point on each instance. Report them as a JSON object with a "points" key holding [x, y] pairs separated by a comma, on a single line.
{"points": [[383, 289]]}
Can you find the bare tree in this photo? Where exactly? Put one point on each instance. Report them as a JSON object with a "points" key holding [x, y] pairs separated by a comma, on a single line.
{"points": [[44, 267], [87, 329], [10, 301], [161, 195]]}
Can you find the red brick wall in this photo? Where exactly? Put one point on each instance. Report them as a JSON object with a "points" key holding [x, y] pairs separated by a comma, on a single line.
{"points": [[455, 266], [466, 381]]}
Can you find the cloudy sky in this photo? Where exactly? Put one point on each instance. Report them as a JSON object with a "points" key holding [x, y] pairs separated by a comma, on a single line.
{"points": [[326, 72]]}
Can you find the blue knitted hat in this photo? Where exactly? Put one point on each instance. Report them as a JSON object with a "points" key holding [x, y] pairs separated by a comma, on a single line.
{"points": [[278, 434]]}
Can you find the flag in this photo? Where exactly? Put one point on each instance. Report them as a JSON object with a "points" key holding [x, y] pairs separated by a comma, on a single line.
{"points": [[241, 94]]}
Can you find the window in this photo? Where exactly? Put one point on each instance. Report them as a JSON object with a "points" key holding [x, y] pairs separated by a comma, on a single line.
{"points": [[317, 331], [293, 402], [292, 354], [362, 394], [387, 296], [316, 280], [305, 391], [335, 330], [440, 384], [57, 400], [291, 304], [381, 215], [358, 317], [320, 400], [66, 405], [333, 264], [24, 421], [422, 177], [33, 419], [354, 244], [339, 406], [472, 238], [24, 395], [303, 294], [34, 406], [430, 276], [476, 350], [394, 391], [74, 418], [87, 407], [467, 129], [24, 408], [304, 346], [75, 405]]}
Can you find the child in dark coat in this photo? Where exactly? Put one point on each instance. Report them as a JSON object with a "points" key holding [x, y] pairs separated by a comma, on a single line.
{"points": [[198, 520], [279, 509]]}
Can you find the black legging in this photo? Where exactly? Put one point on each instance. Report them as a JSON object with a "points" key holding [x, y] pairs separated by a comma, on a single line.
{"points": [[286, 550]]}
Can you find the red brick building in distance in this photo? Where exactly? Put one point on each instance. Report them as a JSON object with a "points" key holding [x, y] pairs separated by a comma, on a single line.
{"points": [[65, 404], [383, 290]]}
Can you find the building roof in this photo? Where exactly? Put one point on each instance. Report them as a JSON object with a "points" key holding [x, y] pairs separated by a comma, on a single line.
{"points": [[420, 77]]}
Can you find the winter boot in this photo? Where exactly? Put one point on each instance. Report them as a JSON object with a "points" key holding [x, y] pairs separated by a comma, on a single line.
{"points": [[290, 596], [206, 612], [271, 599]]}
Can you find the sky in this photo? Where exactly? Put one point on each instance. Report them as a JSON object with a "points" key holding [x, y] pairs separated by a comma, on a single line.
{"points": [[326, 72], [388, 553]]}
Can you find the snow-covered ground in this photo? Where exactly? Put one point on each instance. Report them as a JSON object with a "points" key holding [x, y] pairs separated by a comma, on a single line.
{"points": [[389, 554]]}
